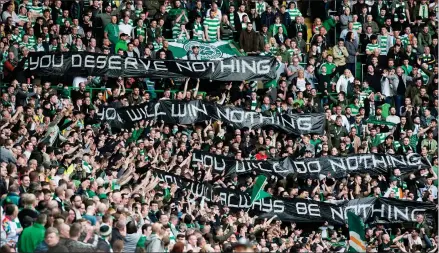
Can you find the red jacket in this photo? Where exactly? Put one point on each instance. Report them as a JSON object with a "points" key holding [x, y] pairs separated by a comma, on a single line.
{"points": [[8, 68]]}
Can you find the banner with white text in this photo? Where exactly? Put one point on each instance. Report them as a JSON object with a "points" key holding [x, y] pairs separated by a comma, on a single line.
{"points": [[189, 112], [371, 209], [92, 64], [331, 166]]}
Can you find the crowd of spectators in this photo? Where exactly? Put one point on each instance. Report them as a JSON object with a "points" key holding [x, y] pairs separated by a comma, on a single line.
{"points": [[71, 183]]}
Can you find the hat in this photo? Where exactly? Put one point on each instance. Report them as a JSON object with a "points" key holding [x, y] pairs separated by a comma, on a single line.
{"points": [[392, 178], [123, 34], [105, 230], [103, 196]]}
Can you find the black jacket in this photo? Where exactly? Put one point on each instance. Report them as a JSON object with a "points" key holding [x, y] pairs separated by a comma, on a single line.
{"points": [[169, 54], [37, 155], [367, 106], [294, 28], [373, 81]]}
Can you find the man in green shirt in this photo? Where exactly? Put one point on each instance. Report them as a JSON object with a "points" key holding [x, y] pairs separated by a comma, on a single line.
{"points": [[329, 64], [178, 11], [65, 16], [111, 31], [32, 236], [122, 43], [212, 28]]}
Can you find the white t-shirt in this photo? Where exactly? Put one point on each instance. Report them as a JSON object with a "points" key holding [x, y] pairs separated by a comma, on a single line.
{"points": [[125, 28], [301, 84], [79, 79], [218, 14]]}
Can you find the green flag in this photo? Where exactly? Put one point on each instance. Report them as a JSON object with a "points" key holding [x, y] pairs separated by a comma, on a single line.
{"points": [[258, 189], [356, 233], [380, 122], [86, 166], [208, 50]]}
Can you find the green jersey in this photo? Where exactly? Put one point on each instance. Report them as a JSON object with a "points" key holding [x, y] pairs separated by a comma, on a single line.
{"points": [[382, 43], [425, 77], [32, 40], [294, 13], [400, 9], [16, 38], [168, 8], [130, 22], [176, 31], [113, 32], [377, 140], [371, 47], [212, 25], [36, 9], [355, 109], [356, 26], [198, 32], [266, 54], [407, 69], [232, 19], [330, 67], [157, 46], [429, 59], [137, 12], [260, 7], [404, 40], [23, 18], [140, 31]]}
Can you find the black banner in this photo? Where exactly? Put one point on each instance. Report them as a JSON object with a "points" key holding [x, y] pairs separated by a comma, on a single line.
{"points": [[370, 209], [189, 112], [336, 167], [92, 64]]}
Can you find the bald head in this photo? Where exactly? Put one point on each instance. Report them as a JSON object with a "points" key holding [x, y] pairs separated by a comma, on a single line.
{"points": [[120, 225], [157, 228], [64, 230]]}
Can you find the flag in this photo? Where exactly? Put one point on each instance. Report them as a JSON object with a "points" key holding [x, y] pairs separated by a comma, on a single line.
{"points": [[356, 233], [208, 50], [258, 189], [86, 167]]}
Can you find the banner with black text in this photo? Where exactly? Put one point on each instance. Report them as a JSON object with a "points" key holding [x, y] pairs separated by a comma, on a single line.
{"points": [[91, 64]]}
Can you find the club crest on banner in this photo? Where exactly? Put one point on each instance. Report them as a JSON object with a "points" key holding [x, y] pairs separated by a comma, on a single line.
{"points": [[207, 51]]}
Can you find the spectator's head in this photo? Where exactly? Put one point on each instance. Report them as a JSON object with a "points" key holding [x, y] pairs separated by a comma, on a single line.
{"points": [[340, 42], [249, 27], [51, 237]]}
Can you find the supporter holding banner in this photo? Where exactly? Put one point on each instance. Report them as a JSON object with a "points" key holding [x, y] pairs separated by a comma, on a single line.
{"points": [[179, 112], [202, 126]]}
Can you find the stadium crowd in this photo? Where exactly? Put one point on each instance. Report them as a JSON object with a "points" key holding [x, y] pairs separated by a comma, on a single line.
{"points": [[70, 183]]}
